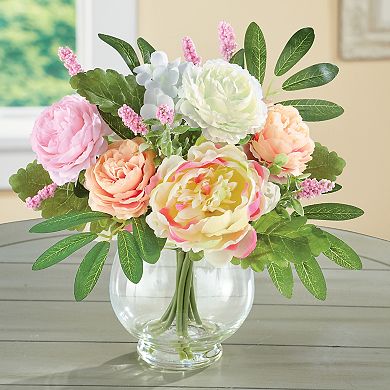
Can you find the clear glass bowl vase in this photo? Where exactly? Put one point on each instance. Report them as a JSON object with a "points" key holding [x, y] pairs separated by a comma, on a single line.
{"points": [[182, 310]]}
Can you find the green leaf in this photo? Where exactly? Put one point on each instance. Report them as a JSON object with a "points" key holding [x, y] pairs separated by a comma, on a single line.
{"points": [[325, 164], [116, 125], [341, 253], [101, 225], [90, 269], [265, 221], [109, 90], [313, 76], [281, 240], [238, 58], [146, 49], [195, 256], [165, 143], [146, 240], [62, 249], [282, 278], [26, 182], [312, 278], [123, 48], [315, 110], [296, 205], [332, 211], [129, 257], [296, 47], [255, 51], [79, 190], [63, 202], [67, 221], [337, 187], [317, 239], [280, 243], [281, 159]]}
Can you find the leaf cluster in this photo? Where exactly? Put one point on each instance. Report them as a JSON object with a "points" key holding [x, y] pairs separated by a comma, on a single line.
{"points": [[286, 242], [254, 57]]}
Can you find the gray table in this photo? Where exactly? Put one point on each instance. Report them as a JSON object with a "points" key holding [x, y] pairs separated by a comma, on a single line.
{"points": [[48, 341]]}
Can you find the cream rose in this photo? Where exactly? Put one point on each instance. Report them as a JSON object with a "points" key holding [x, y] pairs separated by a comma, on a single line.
{"points": [[284, 133], [207, 202], [223, 99], [118, 182]]}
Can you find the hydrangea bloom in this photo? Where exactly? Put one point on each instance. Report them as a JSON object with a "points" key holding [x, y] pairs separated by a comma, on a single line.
{"points": [[160, 79]]}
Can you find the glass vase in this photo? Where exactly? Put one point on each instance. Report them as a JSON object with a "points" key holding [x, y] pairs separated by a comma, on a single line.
{"points": [[182, 310]]}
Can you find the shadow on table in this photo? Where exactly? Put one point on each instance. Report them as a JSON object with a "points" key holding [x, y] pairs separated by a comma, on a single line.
{"points": [[123, 370]]}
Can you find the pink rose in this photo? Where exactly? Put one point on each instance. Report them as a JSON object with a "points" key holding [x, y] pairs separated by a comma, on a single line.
{"points": [[119, 181], [284, 133], [67, 137]]}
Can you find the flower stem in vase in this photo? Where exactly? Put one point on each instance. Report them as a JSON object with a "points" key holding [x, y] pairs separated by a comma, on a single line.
{"points": [[183, 308]]}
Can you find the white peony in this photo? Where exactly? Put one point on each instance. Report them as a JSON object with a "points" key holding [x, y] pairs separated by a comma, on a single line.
{"points": [[223, 99]]}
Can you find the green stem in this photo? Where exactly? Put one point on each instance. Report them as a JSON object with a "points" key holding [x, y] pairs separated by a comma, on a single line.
{"points": [[180, 297], [194, 306], [183, 306], [186, 297]]}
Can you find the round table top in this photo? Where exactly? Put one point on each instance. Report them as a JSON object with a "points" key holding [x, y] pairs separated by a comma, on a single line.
{"points": [[49, 341]]}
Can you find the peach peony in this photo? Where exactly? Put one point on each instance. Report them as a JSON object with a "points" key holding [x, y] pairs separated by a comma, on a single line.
{"points": [[284, 133], [118, 182], [207, 202]]}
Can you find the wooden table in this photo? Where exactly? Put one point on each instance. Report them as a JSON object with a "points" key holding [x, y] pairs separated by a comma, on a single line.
{"points": [[48, 341]]}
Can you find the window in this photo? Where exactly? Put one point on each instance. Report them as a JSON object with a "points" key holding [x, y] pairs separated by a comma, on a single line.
{"points": [[30, 33], [31, 76]]}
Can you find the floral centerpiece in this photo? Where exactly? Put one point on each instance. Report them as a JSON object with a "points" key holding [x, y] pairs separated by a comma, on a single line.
{"points": [[196, 158]]}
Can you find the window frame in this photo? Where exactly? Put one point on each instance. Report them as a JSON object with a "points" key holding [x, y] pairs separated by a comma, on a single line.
{"points": [[119, 18]]}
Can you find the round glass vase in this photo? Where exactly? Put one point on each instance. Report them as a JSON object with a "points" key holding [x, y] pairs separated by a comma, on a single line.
{"points": [[182, 310]]}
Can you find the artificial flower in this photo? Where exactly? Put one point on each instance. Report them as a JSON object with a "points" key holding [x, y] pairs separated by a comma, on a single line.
{"points": [[223, 99], [67, 137], [207, 202], [160, 79], [311, 188], [284, 133], [118, 182]]}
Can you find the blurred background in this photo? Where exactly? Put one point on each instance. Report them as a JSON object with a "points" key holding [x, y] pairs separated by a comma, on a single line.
{"points": [[354, 34]]}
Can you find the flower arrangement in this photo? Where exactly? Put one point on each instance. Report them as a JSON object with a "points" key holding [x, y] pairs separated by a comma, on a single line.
{"points": [[192, 153]]}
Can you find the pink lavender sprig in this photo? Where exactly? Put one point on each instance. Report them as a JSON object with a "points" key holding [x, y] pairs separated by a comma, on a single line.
{"points": [[70, 61], [165, 114], [132, 120], [227, 40], [189, 50], [43, 194], [311, 188]]}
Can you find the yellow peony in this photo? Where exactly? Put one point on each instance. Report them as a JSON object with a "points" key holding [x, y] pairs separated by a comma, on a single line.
{"points": [[207, 202]]}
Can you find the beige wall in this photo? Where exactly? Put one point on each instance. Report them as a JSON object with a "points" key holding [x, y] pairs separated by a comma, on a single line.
{"points": [[361, 135]]}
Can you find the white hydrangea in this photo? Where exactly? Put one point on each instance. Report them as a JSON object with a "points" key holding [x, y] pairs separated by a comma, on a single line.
{"points": [[223, 99], [160, 79]]}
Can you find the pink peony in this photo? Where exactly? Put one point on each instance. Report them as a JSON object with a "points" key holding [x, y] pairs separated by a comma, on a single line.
{"points": [[119, 181], [284, 133], [67, 137]]}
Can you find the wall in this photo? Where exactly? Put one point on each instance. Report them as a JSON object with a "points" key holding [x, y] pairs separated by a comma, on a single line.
{"points": [[361, 135]]}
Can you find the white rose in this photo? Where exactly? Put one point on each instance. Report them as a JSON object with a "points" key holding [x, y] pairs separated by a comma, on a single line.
{"points": [[223, 99]]}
